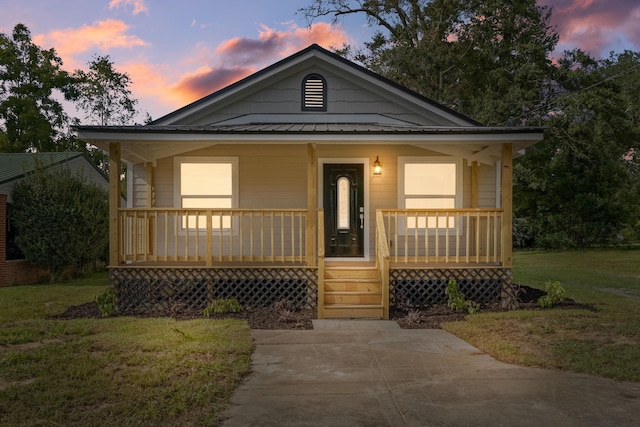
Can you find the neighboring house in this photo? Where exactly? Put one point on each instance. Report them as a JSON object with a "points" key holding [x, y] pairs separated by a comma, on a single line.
{"points": [[14, 270], [313, 180]]}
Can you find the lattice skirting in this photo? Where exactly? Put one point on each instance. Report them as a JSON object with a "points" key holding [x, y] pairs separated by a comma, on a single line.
{"points": [[424, 287], [152, 289]]}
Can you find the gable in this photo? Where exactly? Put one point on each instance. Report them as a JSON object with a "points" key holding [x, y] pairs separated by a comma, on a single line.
{"points": [[360, 107], [350, 90]]}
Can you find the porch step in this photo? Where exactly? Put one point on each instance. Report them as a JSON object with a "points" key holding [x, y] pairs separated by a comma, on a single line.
{"points": [[351, 297], [350, 273], [363, 285], [353, 311], [352, 292]]}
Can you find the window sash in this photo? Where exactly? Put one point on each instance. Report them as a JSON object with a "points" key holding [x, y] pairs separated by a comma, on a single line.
{"points": [[189, 175], [438, 186]]}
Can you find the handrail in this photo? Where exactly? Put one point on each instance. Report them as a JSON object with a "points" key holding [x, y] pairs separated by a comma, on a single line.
{"points": [[321, 264], [382, 262]]}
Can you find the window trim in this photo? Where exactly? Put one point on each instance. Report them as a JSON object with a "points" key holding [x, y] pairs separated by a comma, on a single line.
{"points": [[303, 91], [458, 197], [177, 181]]}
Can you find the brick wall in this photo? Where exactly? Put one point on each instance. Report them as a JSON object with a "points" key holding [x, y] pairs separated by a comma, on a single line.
{"points": [[14, 272]]}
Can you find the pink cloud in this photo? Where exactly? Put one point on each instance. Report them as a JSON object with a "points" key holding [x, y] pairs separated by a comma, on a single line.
{"points": [[139, 6], [237, 58], [104, 35], [596, 26], [205, 81]]}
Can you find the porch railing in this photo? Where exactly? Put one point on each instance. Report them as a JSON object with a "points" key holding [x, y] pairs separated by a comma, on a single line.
{"points": [[423, 236], [382, 262], [212, 235]]}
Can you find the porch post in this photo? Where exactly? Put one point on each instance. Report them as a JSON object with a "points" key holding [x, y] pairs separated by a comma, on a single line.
{"points": [[474, 184], [312, 204], [114, 202], [506, 190]]}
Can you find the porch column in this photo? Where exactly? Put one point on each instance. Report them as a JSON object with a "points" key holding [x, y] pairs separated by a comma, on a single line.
{"points": [[506, 191], [474, 184], [114, 202], [312, 205]]}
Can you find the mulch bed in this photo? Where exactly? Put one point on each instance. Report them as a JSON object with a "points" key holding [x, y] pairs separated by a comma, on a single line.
{"points": [[431, 317]]}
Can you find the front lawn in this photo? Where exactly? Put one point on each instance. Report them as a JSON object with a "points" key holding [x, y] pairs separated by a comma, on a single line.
{"points": [[115, 371], [603, 342]]}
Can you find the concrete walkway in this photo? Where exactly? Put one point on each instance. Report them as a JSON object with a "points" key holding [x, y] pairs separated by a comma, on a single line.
{"points": [[372, 373]]}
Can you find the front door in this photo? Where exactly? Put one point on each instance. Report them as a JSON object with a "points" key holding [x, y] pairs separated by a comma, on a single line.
{"points": [[344, 221]]}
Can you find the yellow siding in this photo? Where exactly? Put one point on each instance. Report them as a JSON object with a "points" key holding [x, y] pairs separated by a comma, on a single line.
{"points": [[275, 176]]}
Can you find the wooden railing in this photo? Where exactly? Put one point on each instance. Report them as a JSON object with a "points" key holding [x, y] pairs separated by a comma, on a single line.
{"points": [[212, 235], [320, 264], [382, 262], [423, 236]]}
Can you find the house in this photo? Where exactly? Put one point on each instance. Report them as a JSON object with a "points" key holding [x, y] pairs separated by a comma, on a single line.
{"points": [[313, 180], [14, 269]]}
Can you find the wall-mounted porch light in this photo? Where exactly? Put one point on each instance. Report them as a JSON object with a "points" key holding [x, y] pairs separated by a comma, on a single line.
{"points": [[377, 167]]}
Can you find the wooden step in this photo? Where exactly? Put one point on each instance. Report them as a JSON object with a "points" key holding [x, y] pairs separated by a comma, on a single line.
{"points": [[352, 297], [363, 285], [350, 273], [352, 292], [348, 311]]}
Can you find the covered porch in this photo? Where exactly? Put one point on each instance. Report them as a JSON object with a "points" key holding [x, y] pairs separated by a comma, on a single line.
{"points": [[158, 254]]}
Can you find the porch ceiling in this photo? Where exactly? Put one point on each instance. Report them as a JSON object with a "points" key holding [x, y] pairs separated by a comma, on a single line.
{"points": [[150, 143]]}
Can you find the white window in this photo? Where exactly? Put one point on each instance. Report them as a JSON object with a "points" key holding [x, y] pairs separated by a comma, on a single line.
{"points": [[430, 183], [206, 183]]}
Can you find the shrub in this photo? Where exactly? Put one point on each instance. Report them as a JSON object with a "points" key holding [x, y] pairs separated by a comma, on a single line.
{"points": [[221, 306], [285, 309], [456, 298], [107, 302], [555, 295], [61, 220], [510, 298], [413, 317], [457, 301]]}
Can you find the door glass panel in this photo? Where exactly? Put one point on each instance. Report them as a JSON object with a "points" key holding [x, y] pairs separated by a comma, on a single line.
{"points": [[343, 203]]}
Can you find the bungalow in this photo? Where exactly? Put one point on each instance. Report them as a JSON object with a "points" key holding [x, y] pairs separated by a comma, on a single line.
{"points": [[313, 180]]}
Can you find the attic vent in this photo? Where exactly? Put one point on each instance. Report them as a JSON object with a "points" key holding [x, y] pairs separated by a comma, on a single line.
{"points": [[314, 93]]}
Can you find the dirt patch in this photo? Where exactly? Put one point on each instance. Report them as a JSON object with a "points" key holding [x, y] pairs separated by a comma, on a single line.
{"points": [[431, 317]]}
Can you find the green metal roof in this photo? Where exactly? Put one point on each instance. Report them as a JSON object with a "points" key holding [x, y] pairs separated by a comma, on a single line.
{"points": [[17, 165]]}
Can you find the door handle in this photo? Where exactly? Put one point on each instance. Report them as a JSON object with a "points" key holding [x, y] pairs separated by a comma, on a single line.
{"points": [[361, 221]]}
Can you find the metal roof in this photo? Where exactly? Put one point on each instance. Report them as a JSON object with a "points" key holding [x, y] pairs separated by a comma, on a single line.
{"points": [[307, 128], [17, 165]]}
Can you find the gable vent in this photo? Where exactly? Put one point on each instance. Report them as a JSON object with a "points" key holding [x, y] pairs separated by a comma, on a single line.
{"points": [[314, 93]]}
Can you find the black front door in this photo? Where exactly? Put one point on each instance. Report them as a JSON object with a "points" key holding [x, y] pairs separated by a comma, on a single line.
{"points": [[344, 221]]}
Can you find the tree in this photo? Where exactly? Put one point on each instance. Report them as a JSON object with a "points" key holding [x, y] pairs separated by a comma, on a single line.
{"points": [[104, 94], [485, 58], [61, 220], [579, 186], [30, 116]]}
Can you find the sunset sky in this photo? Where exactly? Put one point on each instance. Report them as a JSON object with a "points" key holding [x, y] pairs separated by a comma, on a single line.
{"points": [[177, 52]]}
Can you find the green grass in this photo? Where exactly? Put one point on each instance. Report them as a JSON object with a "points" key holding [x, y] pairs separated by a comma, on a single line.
{"points": [[605, 342], [114, 371]]}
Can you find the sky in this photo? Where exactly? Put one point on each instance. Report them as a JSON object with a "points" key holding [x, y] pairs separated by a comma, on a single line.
{"points": [[177, 52]]}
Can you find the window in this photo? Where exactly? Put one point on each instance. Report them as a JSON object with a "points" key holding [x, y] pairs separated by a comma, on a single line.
{"points": [[204, 183], [314, 93], [430, 183]]}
